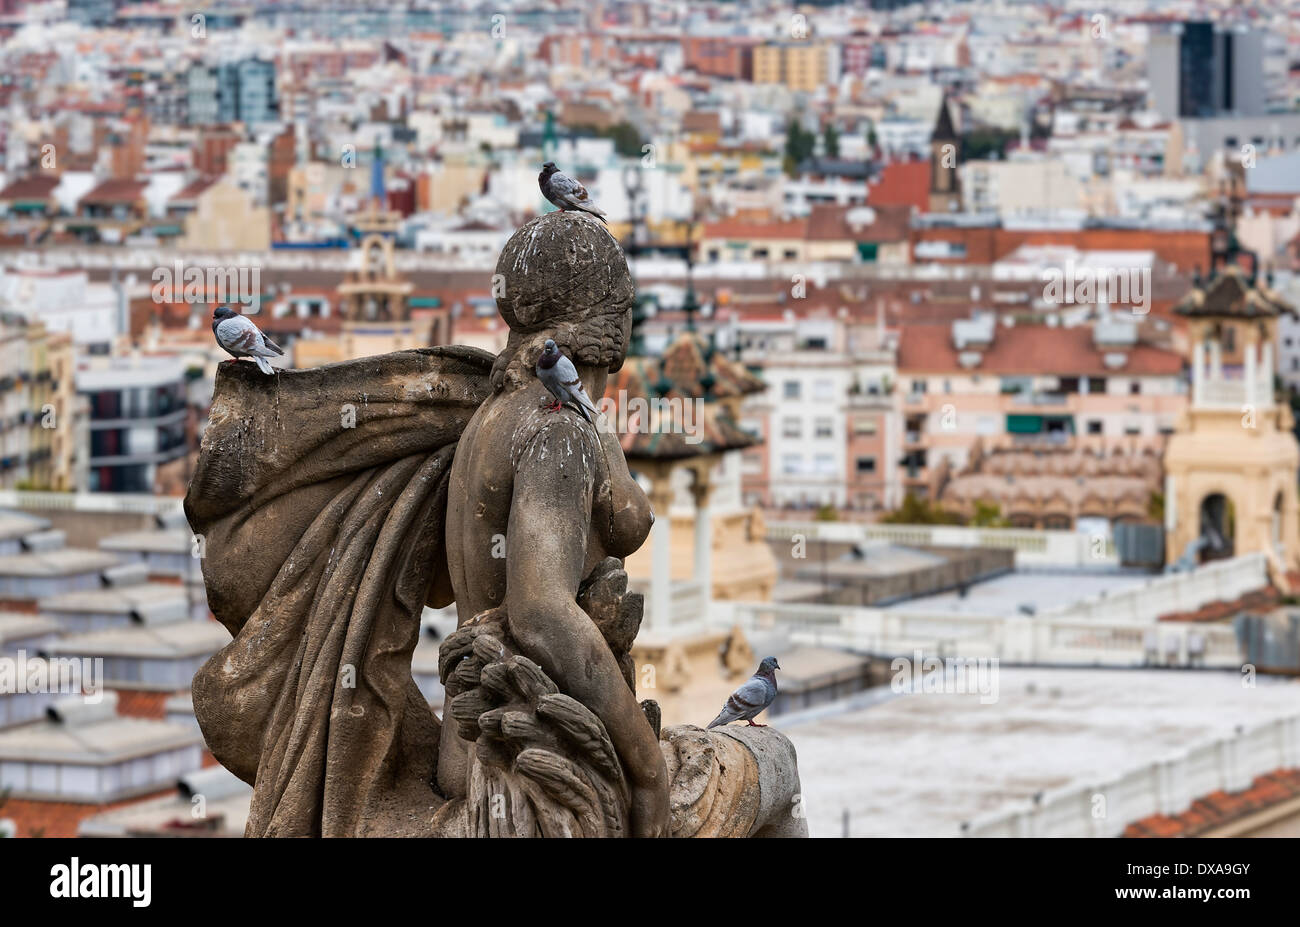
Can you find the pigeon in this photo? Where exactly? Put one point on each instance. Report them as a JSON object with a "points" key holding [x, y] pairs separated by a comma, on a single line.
{"points": [[564, 192], [560, 378], [757, 693], [241, 338]]}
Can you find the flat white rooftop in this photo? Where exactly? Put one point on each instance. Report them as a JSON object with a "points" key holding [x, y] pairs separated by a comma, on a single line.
{"points": [[920, 765]]}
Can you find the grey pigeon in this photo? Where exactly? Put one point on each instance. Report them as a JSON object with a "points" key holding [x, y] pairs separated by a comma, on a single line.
{"points": [[241, 338], [561, 379], [564, 192], [757, 693]]}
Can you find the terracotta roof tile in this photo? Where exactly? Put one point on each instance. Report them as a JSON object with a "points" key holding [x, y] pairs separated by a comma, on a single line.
{"points": [[1030, 349], [1219, 807]]}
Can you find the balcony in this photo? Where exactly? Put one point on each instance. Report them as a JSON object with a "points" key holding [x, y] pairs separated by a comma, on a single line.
{"points": [[1232, 393], [1047, 400]]}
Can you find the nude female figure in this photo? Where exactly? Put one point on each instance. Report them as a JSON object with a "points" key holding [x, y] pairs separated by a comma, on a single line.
{"points": [[560, 493]]}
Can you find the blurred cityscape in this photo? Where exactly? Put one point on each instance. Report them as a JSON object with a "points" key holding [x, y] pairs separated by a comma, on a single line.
{"points": [[967, 330]]}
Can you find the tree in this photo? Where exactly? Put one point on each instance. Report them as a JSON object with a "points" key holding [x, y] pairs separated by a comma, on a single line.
{"points": [[988, 515], [831, 140], [1156, 507], [799, 146], [983, 143], [916, 511]]}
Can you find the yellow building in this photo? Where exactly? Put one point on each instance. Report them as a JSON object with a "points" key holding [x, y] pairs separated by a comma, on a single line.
{"points": [[801, 68], [225, 219], [374, 300], [38, 446], [1230, 467]]}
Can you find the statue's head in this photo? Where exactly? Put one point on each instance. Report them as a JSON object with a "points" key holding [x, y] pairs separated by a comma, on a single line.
{"points": [[563, 277]]}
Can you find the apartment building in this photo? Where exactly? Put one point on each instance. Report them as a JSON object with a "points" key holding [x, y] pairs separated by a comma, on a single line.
{"points": [[139, 419], [828, 419], [38, 422], [800, 68], [1042, 385]]}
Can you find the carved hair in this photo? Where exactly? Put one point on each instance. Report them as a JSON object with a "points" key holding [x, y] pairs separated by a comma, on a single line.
{"points": [[562, 276]]}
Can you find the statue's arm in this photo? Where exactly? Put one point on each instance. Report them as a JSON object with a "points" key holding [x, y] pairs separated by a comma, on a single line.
{"points": [[546, 552]]}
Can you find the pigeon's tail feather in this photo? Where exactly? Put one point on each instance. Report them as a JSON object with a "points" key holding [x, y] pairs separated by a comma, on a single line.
{"points": [[592, 211], [584, 404], [264, 365], [271, 344], [723, 717]]}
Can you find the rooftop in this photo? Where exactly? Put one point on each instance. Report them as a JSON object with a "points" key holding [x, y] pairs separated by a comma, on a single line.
{"points": [[1030, 349], [175, 639], [91, 734], [922, 764], [56, 563]]}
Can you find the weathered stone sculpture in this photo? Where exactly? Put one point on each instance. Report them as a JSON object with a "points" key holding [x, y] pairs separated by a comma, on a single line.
{"points": [[334, 503]]}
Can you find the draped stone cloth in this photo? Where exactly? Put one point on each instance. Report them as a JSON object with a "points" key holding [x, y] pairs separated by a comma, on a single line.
{"points": [[320, 500]]}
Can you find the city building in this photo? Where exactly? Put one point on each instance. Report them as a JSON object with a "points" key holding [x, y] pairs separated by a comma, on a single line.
{"points": [[1230, 483], [139, 420]]}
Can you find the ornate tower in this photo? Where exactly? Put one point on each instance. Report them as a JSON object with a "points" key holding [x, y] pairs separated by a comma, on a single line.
{"points": [[1230, 467], [945, 154]]}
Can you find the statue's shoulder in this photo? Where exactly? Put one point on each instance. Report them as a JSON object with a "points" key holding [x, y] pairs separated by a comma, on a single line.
{"points": [[562, 438]]}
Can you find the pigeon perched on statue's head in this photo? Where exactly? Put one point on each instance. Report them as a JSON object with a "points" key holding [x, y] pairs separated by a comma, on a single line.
{"points": [[239, 337], [565, 193], [561, 380], [750, 699]]}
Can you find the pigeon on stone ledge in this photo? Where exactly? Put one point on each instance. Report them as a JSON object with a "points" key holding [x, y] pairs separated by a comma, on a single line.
{"points": [[564, 192], [241, 338], [750, 699], [561, 379]]}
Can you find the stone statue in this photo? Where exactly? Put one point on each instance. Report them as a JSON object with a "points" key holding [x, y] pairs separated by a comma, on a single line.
{"points": [[332, 504]]}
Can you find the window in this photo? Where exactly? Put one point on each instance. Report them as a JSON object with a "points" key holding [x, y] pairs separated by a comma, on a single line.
{"points": [[823, 390], [864, 426], [918, 387], [791, 428], [823, 428], [1096, 384], [1135, 388], [1094, 426], [792, 389], [824, 464], [791, 464], [791, 254], [866, 465], [760, 254]]}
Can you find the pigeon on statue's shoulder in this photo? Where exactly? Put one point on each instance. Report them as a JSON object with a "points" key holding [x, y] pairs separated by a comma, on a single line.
{"points": [[561, 380]]}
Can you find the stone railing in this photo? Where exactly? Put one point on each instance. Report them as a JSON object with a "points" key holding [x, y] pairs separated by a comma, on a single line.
{"points": [[1010, 638], [1166, 786], [1223, 580], [120, 503], [689, 606], [1040, 549]]}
